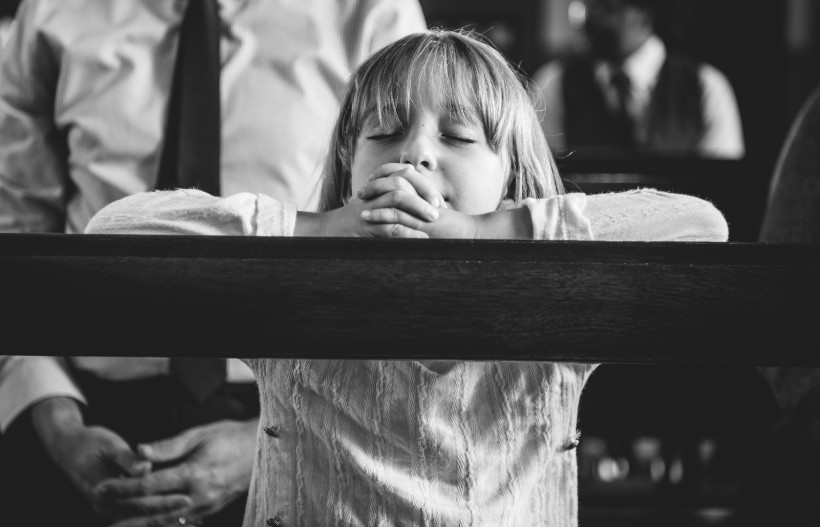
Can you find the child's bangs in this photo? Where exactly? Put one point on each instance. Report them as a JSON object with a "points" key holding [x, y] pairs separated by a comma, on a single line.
{"points": [[474, 87], [435, 64]]}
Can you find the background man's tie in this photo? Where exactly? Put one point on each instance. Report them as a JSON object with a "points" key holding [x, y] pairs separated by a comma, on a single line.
{"points": [[623, 119], [190, 155]]}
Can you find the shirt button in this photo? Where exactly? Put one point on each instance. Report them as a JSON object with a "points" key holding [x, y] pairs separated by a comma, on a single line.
{"points": [[272, 431], [276, 521]]}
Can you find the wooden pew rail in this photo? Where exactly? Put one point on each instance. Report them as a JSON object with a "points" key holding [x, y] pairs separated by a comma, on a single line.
{"points": [[391, 299]]}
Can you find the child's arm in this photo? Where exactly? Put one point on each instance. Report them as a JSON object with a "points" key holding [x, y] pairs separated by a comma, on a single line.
{"points": [[193, 212], [190, 211], [638, 215], [652, 215]]}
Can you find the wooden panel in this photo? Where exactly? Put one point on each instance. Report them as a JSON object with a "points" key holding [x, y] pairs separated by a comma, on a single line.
{"points": [[351, 298]]}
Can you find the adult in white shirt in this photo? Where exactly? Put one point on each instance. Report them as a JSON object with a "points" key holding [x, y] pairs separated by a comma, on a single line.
{"points": [[632, 94], [84, 89]]}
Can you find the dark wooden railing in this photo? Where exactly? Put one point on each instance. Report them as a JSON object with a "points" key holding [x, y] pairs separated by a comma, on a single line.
{"points": [[392, 299]]}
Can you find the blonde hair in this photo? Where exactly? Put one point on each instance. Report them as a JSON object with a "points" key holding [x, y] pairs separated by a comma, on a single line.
{"points": [[474, 77]]}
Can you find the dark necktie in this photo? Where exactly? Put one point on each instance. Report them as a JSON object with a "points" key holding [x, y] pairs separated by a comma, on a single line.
{"points": [[199, 378], [623, 119], [190, 156]]}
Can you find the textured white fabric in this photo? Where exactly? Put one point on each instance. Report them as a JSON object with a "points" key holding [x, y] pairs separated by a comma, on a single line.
{"points": [[647, 215], [407, 443], [193, 212], [723, 137], [26, 380]]}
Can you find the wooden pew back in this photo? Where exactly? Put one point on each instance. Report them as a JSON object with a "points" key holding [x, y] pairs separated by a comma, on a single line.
{"points": [[393, 299]]}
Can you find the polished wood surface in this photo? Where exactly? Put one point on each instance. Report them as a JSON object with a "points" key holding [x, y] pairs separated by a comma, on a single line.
{"points": [[409, 299]]}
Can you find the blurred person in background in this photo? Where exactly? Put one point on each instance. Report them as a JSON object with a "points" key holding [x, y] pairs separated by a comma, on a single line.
{"points": [[629, 93], [85, 97]]}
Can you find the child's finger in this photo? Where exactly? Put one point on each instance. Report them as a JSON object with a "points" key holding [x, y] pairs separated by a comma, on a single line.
{"points": [[388, 169], [398, 180], [424, 189], [407, 202], [423, 186], [394, 230], [384, 185], [390, 215]]}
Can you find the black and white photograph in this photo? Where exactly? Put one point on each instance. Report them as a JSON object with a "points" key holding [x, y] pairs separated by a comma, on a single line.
{"points": [[410, 263]]}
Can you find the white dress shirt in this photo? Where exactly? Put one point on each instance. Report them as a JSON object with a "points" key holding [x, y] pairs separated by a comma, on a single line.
{"points": [[406, 443], [723, 137], [84, 88]]}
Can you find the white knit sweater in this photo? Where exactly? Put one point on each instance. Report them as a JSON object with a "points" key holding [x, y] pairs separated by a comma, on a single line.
{"points": [[411, 443]]}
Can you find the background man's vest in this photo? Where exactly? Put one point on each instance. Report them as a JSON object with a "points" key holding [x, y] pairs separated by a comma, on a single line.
{"points": [[675, 111]]}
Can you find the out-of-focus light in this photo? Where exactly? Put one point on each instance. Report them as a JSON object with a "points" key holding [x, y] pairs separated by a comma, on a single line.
{"points": [[706, 450], [676, 471], [646, 448], [657, 470], [610, 470], [577, 13], [593, 447]]}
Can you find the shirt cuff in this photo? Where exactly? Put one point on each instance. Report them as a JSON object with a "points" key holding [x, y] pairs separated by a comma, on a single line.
{"points": [[28, 380], [274, 218], [559, 217]]}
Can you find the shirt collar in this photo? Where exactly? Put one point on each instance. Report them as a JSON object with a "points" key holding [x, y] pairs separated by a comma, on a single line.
{"points": [[642, 66]]}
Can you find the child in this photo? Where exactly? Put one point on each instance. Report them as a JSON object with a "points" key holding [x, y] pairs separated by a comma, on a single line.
{"points": [[436, 137]]}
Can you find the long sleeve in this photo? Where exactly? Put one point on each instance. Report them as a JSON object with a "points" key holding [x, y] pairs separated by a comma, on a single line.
{"points": [[27, 380], [194, 212], [638, 215], [33, 185], [723, 136], [33, 172]]}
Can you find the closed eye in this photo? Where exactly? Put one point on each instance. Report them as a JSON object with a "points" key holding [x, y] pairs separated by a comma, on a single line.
{"points": [[382, 136], [458, 139], [383, 131]]}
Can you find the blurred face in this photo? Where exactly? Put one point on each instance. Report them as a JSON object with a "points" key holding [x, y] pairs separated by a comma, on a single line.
{"points": [[451, 151], [615, 29]]}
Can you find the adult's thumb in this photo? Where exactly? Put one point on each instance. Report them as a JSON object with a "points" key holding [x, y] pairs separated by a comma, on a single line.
{"points": [[168, 449], [130, 463]]}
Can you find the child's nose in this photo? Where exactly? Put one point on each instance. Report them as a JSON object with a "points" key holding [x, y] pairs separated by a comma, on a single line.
{"points": [[420, 155]]}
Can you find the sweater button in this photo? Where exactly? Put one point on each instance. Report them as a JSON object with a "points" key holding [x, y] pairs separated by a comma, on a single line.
{"points": [[275, 522], [572, 442], [272, 431]]}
